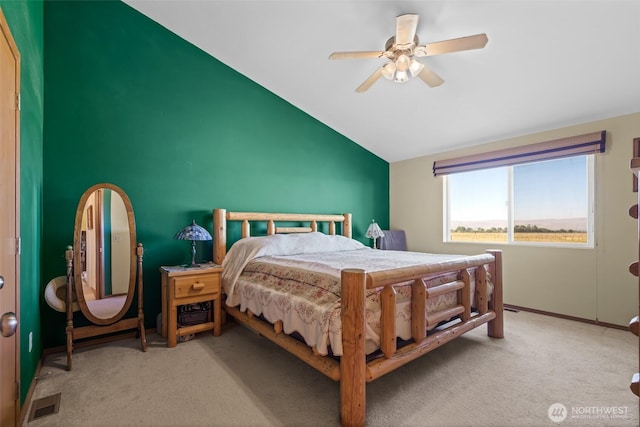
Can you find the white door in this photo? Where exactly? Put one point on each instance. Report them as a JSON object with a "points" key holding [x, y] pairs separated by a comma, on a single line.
{"points": [[9, 226]]}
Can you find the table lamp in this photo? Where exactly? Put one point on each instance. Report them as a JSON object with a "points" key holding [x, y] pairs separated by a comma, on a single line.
{"points": [[373, 232], [193, 232]]}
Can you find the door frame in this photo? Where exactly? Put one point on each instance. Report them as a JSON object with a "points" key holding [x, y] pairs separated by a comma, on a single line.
{"points": [[6, 33]]}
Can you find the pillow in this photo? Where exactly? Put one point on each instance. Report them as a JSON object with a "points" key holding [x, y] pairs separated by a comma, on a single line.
{"points": [[292, 244], [244, 250]]}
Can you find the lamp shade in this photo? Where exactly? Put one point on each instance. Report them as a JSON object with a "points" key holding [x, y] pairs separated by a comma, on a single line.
{"points": [[402, 69], [374, 231], [388, 70], [415, 68], [193, 232]]}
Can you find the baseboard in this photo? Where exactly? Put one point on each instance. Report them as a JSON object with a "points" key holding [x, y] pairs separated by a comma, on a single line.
{"points": [[564, 316], [24, 409]]}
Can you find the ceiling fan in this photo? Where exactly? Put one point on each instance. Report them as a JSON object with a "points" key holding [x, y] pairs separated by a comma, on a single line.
{"points": [[402, 49]]}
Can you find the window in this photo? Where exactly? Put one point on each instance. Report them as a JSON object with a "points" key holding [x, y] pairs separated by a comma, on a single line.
{"points": [[540, 193], [544, 202], [476, 214]]}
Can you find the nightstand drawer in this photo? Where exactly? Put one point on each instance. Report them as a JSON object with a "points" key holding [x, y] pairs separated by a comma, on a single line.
{"points": [[200, 285]]}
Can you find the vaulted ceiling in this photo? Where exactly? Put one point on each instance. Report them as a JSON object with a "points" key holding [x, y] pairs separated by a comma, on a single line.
{"points": [[547, 64]]}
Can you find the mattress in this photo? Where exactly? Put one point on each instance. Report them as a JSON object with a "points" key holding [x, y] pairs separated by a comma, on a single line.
{"points": [[296, 279]]}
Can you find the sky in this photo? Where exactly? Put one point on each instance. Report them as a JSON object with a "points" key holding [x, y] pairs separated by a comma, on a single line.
{"points": [[542, 190]]}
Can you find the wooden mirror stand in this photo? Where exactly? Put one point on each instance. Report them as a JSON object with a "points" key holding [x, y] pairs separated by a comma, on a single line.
{"points": [[104, 267]]}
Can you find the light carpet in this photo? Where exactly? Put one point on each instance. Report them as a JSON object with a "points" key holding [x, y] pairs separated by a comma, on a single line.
{"points": [[242, 379]]}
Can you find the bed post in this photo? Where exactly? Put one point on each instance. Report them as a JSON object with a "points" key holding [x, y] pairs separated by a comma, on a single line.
{"points": [[219, 235], [495, 328], [346, 225], [352, 362]]}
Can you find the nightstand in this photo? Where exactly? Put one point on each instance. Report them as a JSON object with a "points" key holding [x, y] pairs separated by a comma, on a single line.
{"points": [[190, 285]]}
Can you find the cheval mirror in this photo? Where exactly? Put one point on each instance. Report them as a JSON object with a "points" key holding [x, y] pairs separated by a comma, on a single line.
{"points": [[104, 266]]}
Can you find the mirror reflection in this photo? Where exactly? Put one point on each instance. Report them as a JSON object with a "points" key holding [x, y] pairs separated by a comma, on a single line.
{"points": [[105, 250]]}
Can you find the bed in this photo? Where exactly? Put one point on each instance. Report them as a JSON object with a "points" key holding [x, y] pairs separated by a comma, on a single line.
{"points": [[352, 312]]}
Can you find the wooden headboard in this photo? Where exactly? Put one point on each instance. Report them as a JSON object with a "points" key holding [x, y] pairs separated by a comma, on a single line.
{"points": [[221, 216]]}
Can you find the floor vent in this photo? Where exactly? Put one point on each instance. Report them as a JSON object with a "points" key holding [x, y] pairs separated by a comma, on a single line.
{"points": [[45, 406]]}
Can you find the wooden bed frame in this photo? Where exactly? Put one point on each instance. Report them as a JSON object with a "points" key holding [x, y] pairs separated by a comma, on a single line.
{"points": [[353, 370]]}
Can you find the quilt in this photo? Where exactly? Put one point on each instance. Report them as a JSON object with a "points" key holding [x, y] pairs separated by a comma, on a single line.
{"points": [[296, 279]]}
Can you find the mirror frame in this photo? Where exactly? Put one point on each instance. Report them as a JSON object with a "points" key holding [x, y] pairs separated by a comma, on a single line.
{"points": [[77, 260]]}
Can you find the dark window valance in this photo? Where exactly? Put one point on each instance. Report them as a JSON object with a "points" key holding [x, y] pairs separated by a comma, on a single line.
{"points": [[590, 143]]}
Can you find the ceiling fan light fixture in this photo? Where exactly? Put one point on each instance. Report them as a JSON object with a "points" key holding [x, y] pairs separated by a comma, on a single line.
{"points": [[388, 70], [403, 63], [402, 69], [400, 76], [415, 68]]}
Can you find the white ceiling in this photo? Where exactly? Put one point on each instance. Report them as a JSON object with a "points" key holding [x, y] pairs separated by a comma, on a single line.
{"points": [[547, 64]]}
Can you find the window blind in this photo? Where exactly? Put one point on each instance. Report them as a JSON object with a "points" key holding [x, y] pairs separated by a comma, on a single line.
{"points": [[589, 143]]}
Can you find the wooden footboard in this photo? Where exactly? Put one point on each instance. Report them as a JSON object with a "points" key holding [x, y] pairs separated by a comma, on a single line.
{"points": [[429, 330], [354, 372]]}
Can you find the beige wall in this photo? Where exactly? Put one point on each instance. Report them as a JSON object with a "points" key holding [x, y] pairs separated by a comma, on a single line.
{"points": [[120, 246], [587, 283]]}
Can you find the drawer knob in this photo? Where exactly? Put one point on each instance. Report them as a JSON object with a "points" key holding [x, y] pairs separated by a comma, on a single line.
{"points": [[198, 286]]}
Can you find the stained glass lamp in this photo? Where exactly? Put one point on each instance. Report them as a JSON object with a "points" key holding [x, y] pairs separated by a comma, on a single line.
{"points": [[194, 233]]}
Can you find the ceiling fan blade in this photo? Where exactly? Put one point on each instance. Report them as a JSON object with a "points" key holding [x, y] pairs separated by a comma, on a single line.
{"points": [[456, 45], [406, 26], [356, 55], [371, 80], [428, 76]]}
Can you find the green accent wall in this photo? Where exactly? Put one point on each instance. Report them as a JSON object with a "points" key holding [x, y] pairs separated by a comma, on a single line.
{"points": [[25, 19], [130, 103]]}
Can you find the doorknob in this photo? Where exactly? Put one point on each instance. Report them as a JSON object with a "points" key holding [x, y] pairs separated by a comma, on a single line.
{"points": [[1, 282], [8, 324]]}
